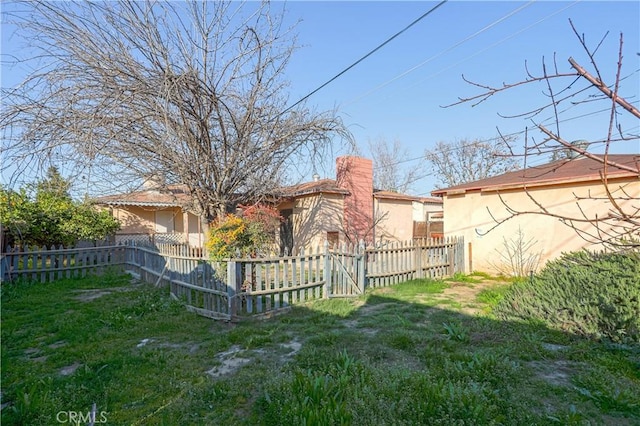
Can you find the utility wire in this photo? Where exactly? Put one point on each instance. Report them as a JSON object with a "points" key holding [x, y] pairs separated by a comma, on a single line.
{"points": [[368, 54], [497, 138], [375, 89], [450, 48]]}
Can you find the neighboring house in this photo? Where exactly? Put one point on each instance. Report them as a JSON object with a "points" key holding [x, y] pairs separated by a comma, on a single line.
{"points": [[348, 209], [568, 188], [403, 217], [344, 210], [154, 215]]}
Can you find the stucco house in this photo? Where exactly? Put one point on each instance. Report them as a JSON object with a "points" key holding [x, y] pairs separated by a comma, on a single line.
{"points": [[567, 188], [342, 210], [155, 215], [349, 209]]}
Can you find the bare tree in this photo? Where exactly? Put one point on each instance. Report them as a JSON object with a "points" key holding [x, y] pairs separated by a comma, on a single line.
{"points": [[390, 170], [193, 92], [465, 161], [580, 86]]}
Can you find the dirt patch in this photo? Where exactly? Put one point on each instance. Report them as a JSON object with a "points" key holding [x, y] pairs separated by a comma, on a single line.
{"points": [[188, 346], [235, 357], [96, 293], [143, 343], [557, 373], [554, 348], [30, 352], [69, 369], [353, 324], [372, 309], [466, 294], [230, 361], [294, 347]]}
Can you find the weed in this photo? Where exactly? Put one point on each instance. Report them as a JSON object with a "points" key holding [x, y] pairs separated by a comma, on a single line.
{"points": [[492, 296], [456, 331]]}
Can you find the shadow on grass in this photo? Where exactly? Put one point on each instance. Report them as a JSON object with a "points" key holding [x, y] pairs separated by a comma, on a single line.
{"points": [[391, 356]]}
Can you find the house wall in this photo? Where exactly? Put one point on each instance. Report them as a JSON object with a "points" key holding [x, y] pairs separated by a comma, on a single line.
{"points": [[393, 219], [470, 215], [314, 216], [134, 220], [420, 210], [141, 220]]}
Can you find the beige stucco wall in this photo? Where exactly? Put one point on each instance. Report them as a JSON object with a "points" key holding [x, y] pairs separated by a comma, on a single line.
{"points": [[140, 220], [420, 210], [314, 216], [470, 215], [394, 220], [134, 220]]}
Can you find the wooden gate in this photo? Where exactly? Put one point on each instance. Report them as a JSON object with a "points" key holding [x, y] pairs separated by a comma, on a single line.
{"points": [[346, 271]]}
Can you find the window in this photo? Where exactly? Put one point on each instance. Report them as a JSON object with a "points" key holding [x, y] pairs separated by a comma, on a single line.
{"points": [[333, 238]]}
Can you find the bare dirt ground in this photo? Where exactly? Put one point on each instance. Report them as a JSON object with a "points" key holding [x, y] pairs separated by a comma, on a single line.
{"points": [[464, 295]]}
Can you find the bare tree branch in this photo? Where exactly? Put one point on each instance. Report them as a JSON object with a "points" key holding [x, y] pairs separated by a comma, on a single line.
{"points": [[620, 225], [466, 161], [390, 172], [190, 92]]}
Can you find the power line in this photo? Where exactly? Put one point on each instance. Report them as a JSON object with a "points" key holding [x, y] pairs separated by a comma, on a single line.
{"points": [[424, 15], [375, 89], [450, 48], [497, 138]]}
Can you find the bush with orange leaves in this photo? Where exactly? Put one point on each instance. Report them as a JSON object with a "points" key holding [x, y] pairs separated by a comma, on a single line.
{"points": [[247, 235]]}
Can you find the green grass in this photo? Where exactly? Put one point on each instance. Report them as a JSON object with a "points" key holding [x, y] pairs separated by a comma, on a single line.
{"points": [[482, 274], [492, 296], [460, 277], [394, 356]]}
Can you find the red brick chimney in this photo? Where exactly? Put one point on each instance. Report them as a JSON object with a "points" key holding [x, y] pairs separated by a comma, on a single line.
{"points": [[355, 174]]}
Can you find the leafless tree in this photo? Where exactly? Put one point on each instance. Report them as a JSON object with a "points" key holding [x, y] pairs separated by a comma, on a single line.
{"points": [[193, 92], [578, 86], [465, 161], [390, 169]]}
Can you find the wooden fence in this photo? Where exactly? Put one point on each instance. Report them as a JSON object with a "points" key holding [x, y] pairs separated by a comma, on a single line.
{"points": [[240, 288], [189, 276], [46, 265]]}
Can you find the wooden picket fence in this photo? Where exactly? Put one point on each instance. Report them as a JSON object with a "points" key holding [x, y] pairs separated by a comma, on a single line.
{"points": [[49, 264], [190, 277], [241, 288]]}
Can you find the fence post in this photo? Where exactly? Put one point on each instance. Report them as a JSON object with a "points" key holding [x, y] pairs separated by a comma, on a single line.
{"points": [[327, 271], [231, 289], [4, 269], [451, 259], [417, 258], [361, 266]]}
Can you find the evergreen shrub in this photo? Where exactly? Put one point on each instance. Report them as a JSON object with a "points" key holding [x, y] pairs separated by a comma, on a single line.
{"points": [[591, 294]]}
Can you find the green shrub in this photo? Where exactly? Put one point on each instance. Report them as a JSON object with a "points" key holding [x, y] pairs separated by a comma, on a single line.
{"points": [[592, 294]]}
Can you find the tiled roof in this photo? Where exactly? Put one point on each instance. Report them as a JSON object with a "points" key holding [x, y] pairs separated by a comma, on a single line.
{"points": [[576, 170], [315, 187], [172, 196]]}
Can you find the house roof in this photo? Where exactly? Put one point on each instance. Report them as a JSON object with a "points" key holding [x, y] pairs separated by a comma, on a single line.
{"points": [[581, 169], [390, 195], [172, 196], [326, 186]]}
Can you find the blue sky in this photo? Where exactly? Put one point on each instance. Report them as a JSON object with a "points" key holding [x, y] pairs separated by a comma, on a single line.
{"points": [[488, 42]]}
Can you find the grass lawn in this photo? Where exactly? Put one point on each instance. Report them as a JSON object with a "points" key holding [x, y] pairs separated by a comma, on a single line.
{"points": [[420, 353]]}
